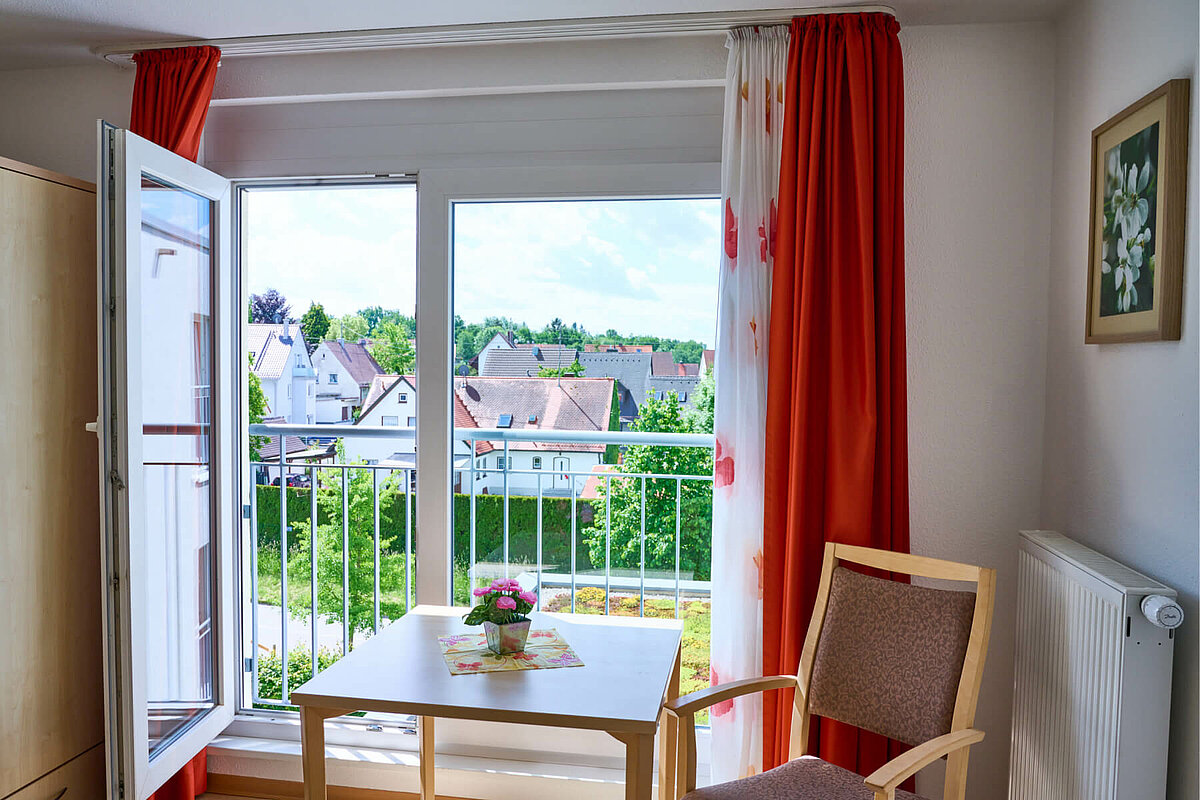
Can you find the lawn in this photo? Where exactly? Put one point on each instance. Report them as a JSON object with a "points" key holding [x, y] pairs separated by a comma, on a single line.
{"points": [[696, 616]]}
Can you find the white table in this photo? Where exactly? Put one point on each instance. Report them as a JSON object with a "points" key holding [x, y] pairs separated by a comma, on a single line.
{"points": [[631, 666]]}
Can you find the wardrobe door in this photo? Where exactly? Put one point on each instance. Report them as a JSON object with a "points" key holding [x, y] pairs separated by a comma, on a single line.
{"points": [[81, 778], [51, 656]]}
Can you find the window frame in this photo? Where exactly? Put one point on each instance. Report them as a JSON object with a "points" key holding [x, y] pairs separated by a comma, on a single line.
{"points": [[437, 192]]}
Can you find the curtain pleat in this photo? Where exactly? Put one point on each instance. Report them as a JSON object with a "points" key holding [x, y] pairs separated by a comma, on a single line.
{"points": [[836, 460], [171, 93], [749, 192]]}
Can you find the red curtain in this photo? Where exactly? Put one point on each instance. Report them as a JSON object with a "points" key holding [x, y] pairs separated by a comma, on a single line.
{"points": [[187, 784], [837, 441], [170, 103], [171, 94]]}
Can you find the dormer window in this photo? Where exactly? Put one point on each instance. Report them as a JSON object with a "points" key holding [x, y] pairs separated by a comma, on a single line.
{"points": [[505, 421]]}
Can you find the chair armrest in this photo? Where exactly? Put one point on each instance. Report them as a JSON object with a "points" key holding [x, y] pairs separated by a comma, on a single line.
{"points": [[691, 703], [889, 776]]}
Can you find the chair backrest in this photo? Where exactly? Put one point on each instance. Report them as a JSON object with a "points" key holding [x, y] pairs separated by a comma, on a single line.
{"points": [[901, 660]]}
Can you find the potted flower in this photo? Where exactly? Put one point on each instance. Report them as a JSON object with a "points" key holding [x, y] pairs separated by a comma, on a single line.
{"points": [[503, 610]]}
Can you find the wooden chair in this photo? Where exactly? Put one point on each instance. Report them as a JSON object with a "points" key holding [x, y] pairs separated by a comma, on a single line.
{"points": [[901, 660]]}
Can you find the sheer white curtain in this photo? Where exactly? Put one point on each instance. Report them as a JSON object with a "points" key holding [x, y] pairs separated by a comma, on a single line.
{"points": [[754, 90]]}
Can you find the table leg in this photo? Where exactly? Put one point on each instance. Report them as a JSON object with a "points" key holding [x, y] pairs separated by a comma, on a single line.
{"points": [[425, 751], [312, 749], [639, 766], [668, 737]]}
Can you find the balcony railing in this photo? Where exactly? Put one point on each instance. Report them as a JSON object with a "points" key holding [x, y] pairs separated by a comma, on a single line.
{"points": [[343, 520]]}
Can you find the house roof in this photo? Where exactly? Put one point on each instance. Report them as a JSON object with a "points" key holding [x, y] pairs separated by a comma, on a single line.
{"points": [[381, 387], [631, 371], [356, 359], [526, 360], [271, 348], [269, 450], [564, 404], [618, 348], [707, 359]]}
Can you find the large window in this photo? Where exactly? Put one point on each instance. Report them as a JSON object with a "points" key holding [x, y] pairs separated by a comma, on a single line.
{"points": [[576, 319]]}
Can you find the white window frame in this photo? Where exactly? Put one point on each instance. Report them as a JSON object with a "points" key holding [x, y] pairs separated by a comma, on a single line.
{"points": [[437, 191], [333, 377], [395, 423]]}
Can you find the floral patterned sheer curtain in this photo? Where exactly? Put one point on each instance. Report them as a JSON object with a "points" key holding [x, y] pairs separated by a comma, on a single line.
{"points": [[754, 85]]}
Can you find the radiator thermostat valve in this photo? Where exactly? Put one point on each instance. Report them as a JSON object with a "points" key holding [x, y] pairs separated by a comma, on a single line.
{"points": [[1162, 611]]}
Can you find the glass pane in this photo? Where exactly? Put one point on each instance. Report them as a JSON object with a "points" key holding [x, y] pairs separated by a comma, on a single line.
{"points": [[582, 316], [177, 365]]}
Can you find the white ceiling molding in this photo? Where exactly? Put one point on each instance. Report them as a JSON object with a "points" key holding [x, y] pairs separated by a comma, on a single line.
{"points": [[598, 27]]}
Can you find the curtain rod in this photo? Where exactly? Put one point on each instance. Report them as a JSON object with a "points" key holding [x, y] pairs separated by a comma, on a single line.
{"points": [[546, 30]]}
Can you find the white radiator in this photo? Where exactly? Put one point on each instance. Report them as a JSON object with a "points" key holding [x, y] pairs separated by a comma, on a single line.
{"points": [[1091, 701]]}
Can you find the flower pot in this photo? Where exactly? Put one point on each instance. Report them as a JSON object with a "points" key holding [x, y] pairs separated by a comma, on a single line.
{"points": [[508, 637]]}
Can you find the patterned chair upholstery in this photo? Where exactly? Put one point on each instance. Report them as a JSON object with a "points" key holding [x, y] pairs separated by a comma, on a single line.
{"points": [[889, 658]]}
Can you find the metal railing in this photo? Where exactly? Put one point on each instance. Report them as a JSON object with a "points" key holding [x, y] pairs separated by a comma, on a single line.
{"points": [[674, 585]]}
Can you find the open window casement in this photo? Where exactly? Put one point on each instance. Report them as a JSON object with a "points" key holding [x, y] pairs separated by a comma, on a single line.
{"points": [[168, 433]]}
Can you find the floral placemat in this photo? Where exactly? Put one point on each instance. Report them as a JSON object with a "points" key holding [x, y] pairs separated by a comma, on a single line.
{"points": [[468, 653]]}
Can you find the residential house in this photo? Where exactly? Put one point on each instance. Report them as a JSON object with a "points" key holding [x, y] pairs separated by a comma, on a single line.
{"points": [[345, 371], [527, 360], [279, 357], [500, 341], [391, 402], [638, 380], [546, 404], [707, 359]]}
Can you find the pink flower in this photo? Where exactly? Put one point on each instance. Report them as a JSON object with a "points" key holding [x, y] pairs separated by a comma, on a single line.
{"points": [[481, 592], [506, 603], [498, 584], [528, 597]]}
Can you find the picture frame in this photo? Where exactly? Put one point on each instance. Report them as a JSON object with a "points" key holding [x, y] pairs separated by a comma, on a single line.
{"points": [[1138, 219]]}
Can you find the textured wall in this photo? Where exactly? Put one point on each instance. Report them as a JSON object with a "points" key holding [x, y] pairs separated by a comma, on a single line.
{"points": [[1121, 470], [978, 132]]}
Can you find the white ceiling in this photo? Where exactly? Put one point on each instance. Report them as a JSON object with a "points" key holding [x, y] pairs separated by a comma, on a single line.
{"points": [[40, 33]]}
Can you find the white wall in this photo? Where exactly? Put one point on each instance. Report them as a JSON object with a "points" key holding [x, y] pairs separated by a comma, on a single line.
{"points": [[49, 117], [977, 141], [1121, 469]]}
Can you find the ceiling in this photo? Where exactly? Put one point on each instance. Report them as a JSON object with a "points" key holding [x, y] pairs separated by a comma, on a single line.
{"points": [[43, 33]]}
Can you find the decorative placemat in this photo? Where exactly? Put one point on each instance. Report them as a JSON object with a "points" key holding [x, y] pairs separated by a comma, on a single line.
{"points": [[468, 653]]}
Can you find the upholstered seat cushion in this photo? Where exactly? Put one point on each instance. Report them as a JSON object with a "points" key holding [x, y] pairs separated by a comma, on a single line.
{"points": [[805, 778]]}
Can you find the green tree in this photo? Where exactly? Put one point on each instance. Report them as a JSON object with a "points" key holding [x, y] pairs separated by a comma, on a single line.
{"points": [[362, 546], [314, 324], [575, 368], [350, 327], [704, 401], [688, 352], [256, 409], [392, 349], [624, 499]]}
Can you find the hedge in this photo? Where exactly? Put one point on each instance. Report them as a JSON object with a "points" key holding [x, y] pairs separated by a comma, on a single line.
{"points": [[489, 524]]}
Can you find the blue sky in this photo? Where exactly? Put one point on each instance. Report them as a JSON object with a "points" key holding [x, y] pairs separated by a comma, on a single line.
{"points": [[639, 266]]}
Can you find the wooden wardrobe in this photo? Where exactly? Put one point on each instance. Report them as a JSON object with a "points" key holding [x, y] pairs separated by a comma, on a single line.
{"points": [[51, 656]]}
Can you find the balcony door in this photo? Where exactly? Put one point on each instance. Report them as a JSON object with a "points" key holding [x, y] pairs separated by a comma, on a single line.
{"points": [[167, 438]]}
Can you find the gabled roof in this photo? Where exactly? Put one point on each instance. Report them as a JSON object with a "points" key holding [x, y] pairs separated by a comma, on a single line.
{"points": [[356, 359], [271, 348], [565, 404], [707, 359], [381, 387], [526, 360], [631, 371]]}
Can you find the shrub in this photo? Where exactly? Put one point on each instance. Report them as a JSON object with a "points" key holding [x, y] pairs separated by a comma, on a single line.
{"points": [[270, 672]]}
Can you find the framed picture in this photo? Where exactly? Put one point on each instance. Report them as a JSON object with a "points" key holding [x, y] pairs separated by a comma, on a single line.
{"points": [[1135, 251]]}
